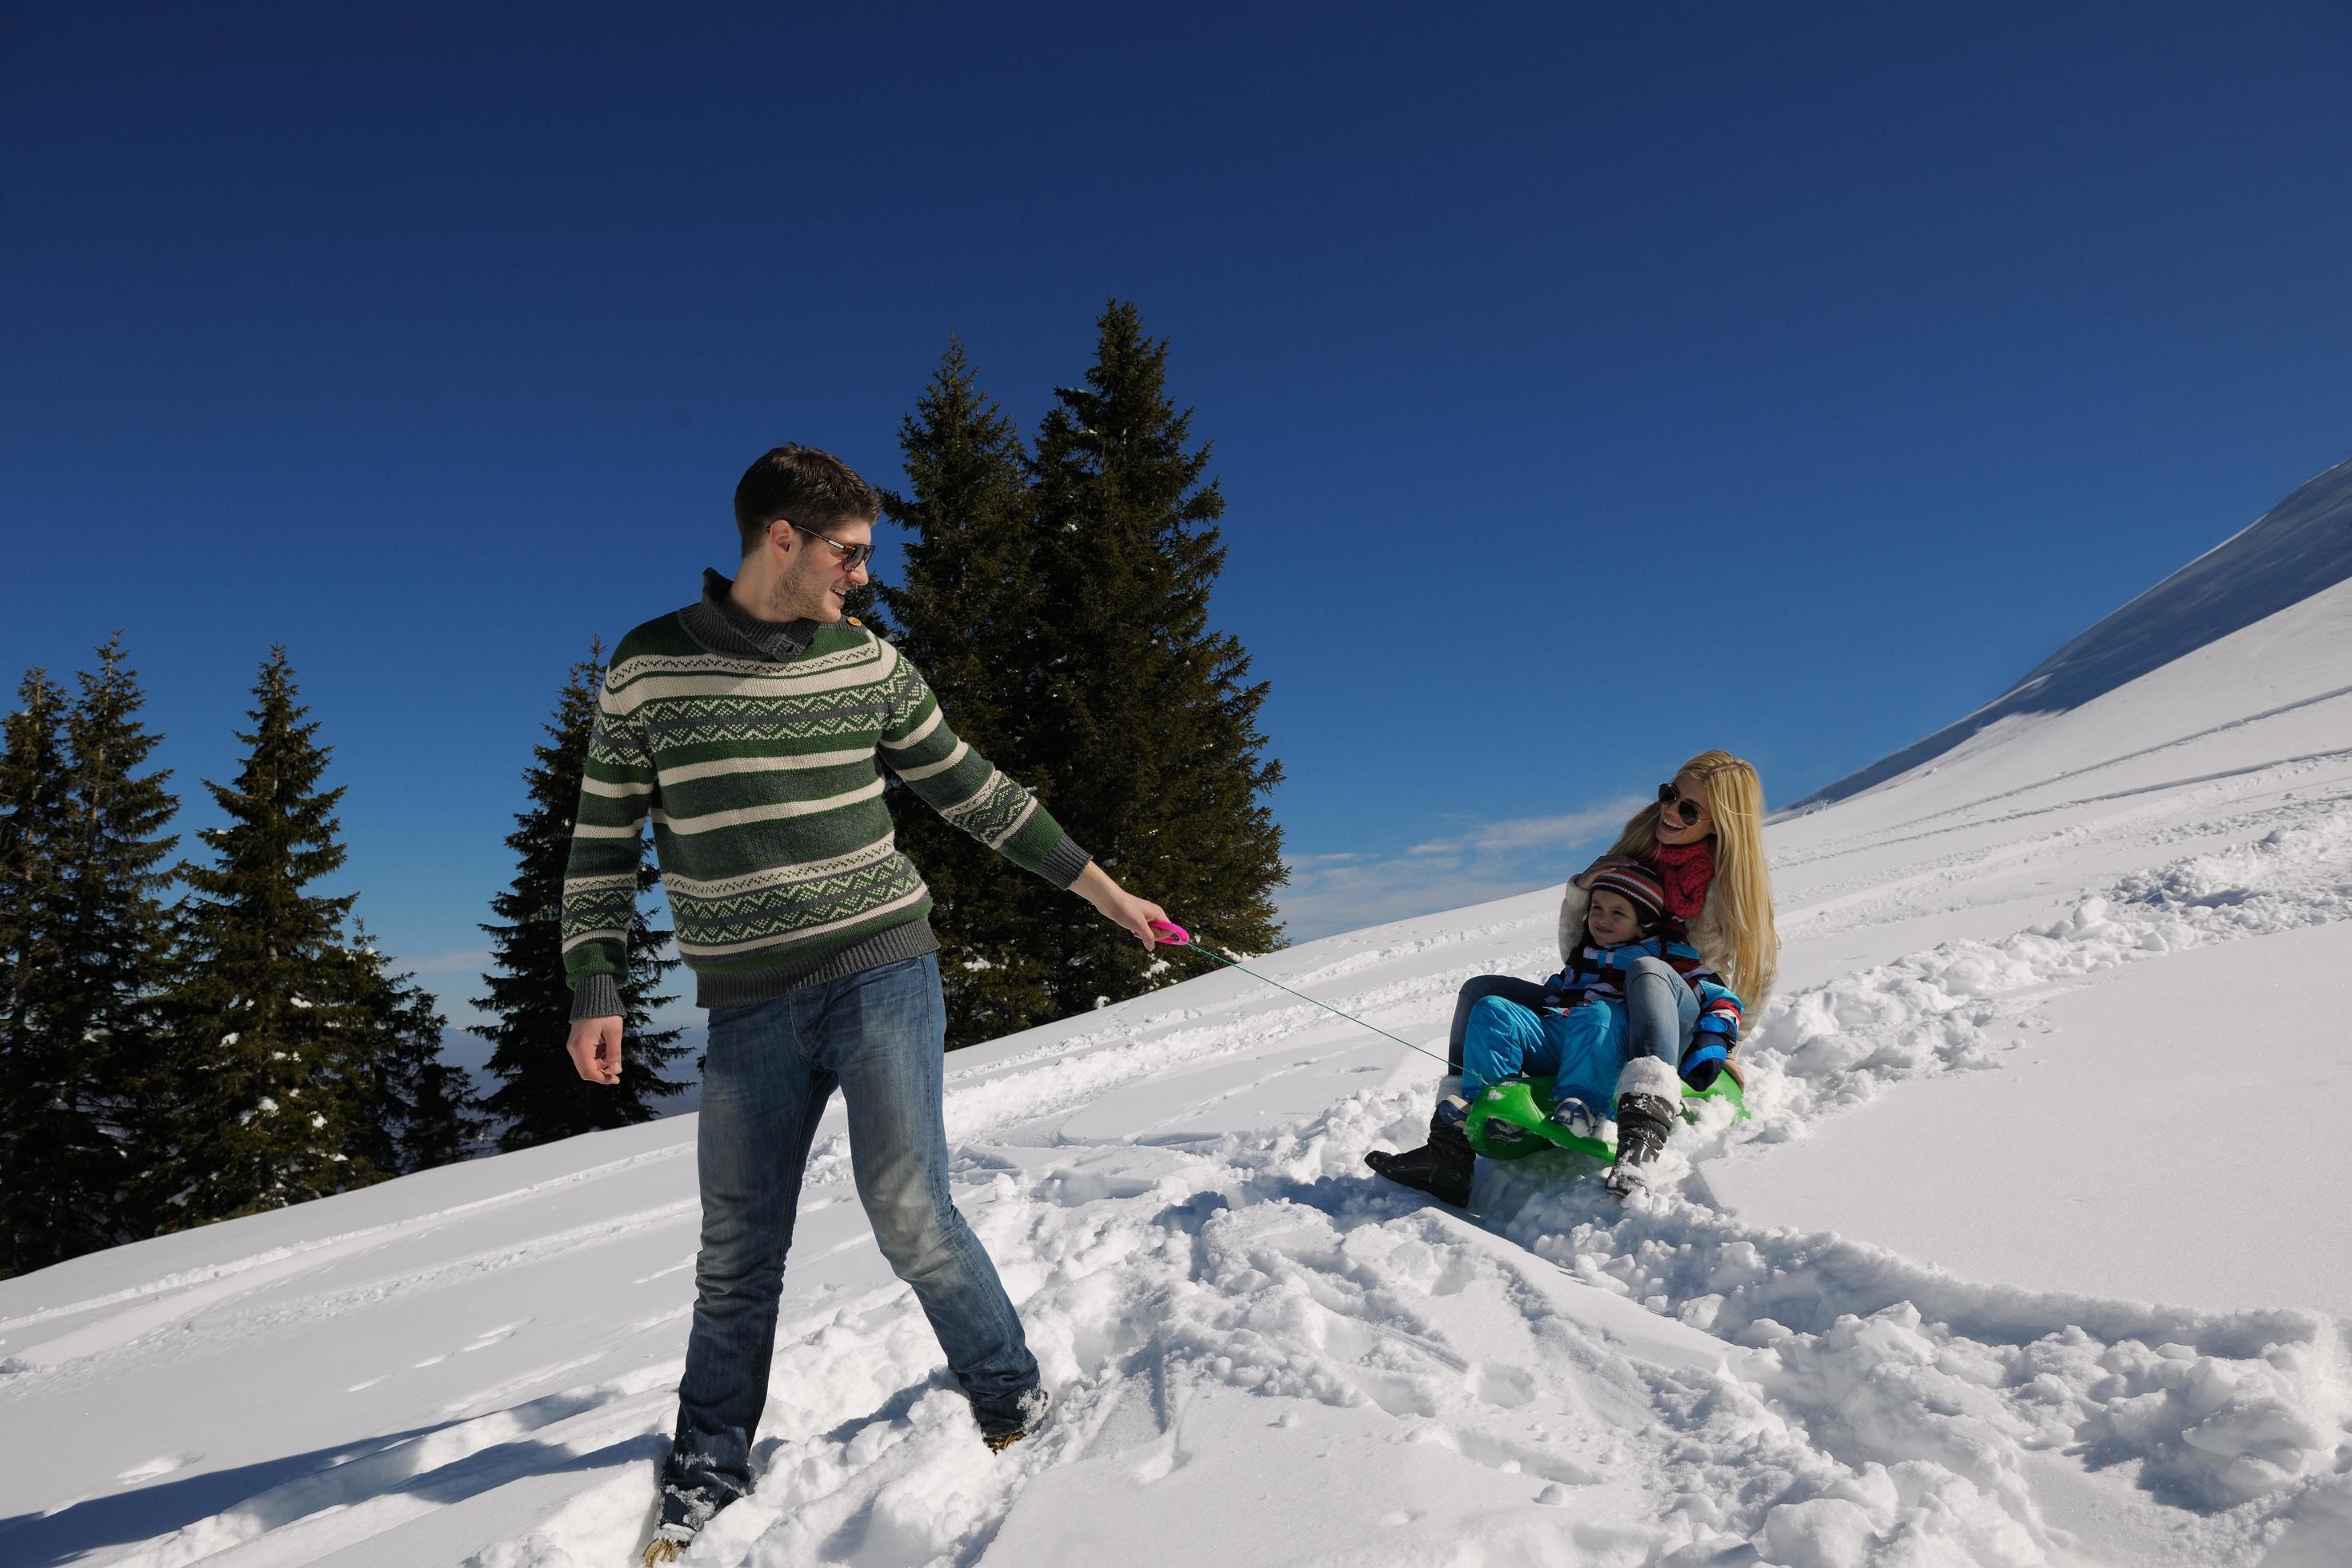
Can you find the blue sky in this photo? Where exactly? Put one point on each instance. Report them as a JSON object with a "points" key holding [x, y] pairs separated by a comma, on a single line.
{"points": [[1589, 386]]}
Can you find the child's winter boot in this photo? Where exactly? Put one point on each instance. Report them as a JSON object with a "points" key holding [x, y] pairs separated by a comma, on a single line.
{"points": [[1574, 1117]]}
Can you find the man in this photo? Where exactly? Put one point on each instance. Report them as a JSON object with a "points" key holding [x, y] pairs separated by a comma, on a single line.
{"points": [[754, 728]]}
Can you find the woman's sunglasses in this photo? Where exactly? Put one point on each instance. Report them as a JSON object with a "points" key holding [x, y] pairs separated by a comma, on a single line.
{"points": [[1686, 810]]}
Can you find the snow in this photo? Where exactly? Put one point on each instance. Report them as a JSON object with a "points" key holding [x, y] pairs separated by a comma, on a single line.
{"points": [[2298, 548], [2029, 1252], [2052, 1201]]}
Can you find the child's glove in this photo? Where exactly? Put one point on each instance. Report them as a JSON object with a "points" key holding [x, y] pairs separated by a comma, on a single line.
{"points": [[1706, 1061], [1704, 1066]]}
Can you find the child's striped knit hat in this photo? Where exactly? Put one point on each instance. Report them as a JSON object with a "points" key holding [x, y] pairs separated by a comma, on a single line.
{"points": [[1639, 887]]}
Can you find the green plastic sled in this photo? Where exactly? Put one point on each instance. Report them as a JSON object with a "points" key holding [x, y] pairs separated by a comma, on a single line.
{"points": [[1525, 1102]]}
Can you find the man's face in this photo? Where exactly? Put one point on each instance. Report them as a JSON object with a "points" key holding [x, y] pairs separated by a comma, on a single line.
{"points": [[814, 581], [1611, 919]]}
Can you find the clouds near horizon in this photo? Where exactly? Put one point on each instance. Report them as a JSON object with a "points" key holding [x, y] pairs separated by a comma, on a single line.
{"points": [[1478, 862]]}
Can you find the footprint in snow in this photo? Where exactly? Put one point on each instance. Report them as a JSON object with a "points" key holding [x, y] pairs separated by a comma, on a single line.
{"points": [[1507, 1386], [489, 1337]]}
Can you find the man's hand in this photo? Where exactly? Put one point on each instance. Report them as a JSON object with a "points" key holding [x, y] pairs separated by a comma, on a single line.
{"points": [[595, 1047], [1117, 905]]}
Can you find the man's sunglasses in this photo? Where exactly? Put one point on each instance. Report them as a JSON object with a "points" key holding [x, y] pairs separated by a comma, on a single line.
{"points": [[852, 556], [1684, 807]]}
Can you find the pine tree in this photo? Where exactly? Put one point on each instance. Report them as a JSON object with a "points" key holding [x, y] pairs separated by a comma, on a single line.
{"points": [[445, 1123], [966, 615], [258, 1081], [84, 933], [32, 816], [1151, 737], [542, 1096], [33, 813], [419, 1111], [115, 939]]}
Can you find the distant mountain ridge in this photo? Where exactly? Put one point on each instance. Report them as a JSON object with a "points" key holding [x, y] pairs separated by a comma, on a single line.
{"points": [[2298, 548]]}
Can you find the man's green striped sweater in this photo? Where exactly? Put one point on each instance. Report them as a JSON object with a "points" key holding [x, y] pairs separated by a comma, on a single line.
{"points": [[758, 751]]}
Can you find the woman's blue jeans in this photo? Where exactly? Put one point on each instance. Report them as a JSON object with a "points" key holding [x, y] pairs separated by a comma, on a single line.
{"points": [[880, 1035], [1661, 1010]]}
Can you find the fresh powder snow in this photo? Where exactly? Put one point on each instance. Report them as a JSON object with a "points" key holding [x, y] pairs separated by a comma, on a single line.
{"points": [[2032, 1251]]}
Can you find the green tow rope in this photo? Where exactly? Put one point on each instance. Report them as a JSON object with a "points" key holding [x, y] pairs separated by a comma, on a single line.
{"points": [[1180, 937]]}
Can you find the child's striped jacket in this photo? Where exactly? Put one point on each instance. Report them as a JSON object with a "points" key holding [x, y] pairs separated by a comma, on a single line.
{"points": [[1599, 972]]}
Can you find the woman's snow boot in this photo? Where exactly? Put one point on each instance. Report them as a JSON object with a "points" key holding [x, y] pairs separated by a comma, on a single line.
{"points": [[1644, 1120], [1649, 1098], [1441, 1167]]}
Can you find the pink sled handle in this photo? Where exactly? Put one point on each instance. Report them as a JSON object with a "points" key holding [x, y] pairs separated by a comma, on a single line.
{"points": [[1177, 935]]}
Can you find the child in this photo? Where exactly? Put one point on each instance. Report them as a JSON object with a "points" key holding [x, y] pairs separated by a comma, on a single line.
{"points": [[1577, 1037]]}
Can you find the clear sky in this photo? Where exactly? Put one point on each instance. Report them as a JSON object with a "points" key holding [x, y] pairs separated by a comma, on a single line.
{"points": [[1589, 384]]}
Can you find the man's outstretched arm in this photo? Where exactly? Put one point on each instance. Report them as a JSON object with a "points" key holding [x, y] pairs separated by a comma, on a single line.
{"points": [[961, 785], [1118, 906], [595, 1043]]}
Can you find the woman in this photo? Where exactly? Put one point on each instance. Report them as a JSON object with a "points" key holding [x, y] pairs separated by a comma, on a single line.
{"points": [[1704, 841]]}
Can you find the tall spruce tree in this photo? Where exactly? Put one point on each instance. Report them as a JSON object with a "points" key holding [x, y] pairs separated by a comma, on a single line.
{"points": [[967, 614], [261, 1078], [114, 941], [1149, 719], [542, 1096], [32, 818]]}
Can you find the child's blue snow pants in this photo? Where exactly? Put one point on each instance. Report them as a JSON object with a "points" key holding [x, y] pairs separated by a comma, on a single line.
{"points": [[1579, 1050]]}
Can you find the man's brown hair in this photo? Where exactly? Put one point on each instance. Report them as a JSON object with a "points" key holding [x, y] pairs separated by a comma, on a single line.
{"points": [[814, 488]]}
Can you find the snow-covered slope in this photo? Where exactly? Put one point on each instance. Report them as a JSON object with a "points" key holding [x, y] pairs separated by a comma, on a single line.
{"points": [[2056, 1016], [2299, 547]]}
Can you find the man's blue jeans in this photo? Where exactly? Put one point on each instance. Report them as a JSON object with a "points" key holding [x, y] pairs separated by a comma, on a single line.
{"points": [[879, 1033]]}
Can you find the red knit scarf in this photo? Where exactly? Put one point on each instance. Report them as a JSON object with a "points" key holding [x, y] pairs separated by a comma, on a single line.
{"points": [[1685, 869]]}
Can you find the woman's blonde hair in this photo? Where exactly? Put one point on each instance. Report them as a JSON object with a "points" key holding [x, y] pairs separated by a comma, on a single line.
{"points": [[1742, 891]]}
